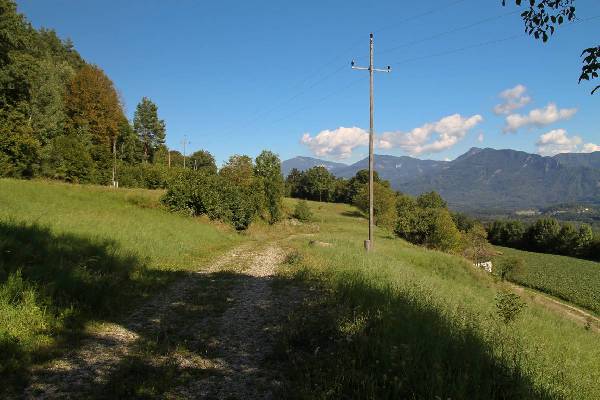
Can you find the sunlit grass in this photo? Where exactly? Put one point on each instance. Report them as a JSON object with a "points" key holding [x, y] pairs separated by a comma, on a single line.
{"points": [[406, 322]]}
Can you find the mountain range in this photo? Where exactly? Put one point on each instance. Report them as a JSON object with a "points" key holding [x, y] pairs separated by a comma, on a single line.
{"points": [[484, 179]]}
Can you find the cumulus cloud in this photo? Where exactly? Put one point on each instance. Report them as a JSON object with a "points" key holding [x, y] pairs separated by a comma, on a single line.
{"points": [[590, 148], [514, 99], [480, 138], [538, 117], [338, 143], [432, 137], [558, 141]]}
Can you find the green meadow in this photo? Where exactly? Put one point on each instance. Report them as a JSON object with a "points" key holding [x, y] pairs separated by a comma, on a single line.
{"points": [[72, 255], [407, 322]]}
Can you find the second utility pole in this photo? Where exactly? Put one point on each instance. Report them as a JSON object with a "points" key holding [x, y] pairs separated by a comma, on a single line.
{"points": [[372, 70]]}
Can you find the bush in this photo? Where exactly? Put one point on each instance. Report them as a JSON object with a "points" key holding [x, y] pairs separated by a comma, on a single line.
{"points": [[507, 266], [200, 193], [508, 306], [302, 211]]}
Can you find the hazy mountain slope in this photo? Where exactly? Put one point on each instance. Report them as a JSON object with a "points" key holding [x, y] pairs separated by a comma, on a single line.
{"points": [[484, 179], [488, 178], [395, 169], [304, 163], [590, 160]]}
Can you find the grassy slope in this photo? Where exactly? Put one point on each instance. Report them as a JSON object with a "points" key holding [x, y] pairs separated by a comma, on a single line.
{"points": [[406, 322], [571, 279], [74, 254]]}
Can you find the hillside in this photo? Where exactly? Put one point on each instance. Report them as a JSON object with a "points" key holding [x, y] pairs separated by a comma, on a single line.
{"points": [[407, 322], [484, 179], [72, 256], [118, 298]]}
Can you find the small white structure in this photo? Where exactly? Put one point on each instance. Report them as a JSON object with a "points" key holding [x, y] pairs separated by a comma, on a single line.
{"points": [[487, 265]]}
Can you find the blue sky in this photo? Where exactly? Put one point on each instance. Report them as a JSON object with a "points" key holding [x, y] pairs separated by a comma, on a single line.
{"points": [[239, 76]]}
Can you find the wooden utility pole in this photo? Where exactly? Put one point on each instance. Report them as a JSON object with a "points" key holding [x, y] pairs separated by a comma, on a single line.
{"points": [[372, 70], [185, 142]]}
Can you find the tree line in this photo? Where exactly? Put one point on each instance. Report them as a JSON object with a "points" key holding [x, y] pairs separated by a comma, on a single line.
{"points": [[62, 118], [546, 235]]}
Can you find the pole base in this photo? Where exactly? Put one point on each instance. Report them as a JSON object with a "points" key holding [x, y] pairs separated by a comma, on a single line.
{"points": [[368, 245]]}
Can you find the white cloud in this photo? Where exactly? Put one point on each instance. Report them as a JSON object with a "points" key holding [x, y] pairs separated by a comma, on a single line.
{"points": [[449, 130], [558, 141], [590, 148], [480, 138], [514, 99], [337, 143], [538, 117]]}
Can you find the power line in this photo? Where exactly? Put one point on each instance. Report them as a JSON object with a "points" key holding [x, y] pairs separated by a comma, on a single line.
{"points": [[448, 32], [481, 44], [341, 55]]}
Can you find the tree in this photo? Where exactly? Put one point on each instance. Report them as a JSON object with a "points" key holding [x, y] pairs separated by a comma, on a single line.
{"points": [[129, 147], [93, 106], [384, 204], [476, 245], [268, 169], [239, 170], [149, 128], [202, 160], [542, 235], [292, 183], [431, 200], [541, 21], [67, 158], [318, 184]]}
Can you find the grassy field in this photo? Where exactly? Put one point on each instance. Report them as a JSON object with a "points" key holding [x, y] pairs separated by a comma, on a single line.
{"points": [[406, 322], [570, 279], [71, 255]]}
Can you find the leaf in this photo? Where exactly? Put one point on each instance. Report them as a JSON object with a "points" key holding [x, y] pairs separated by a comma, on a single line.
{"points": [[560, 19]]}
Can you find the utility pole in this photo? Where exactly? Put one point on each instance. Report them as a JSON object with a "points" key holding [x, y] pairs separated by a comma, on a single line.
{"points": [[372, 70], [185, 141], [114, 171]]}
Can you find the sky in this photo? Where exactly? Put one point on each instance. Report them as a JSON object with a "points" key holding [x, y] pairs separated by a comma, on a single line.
{"points": [[238, 77]]}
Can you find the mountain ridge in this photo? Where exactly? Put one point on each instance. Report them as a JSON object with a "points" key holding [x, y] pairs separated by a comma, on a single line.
{"points": [[487, 178]]}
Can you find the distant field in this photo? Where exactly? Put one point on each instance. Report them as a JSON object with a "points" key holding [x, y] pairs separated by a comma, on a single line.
{"points": [[571, 279], [72, 254], [407, 322]]}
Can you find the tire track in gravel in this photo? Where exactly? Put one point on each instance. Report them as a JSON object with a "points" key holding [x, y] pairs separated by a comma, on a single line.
{"points": [[234, 362], [91, 364]]}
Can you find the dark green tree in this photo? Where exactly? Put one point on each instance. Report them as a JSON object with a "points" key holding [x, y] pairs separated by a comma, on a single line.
{"points": [[202, 160], [268, 169], [150, 129]]}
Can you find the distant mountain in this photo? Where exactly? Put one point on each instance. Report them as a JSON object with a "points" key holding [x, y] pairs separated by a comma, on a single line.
{"points": [[509, 179], [487, 179], [394, 169], [304, 163], [591, 160]]}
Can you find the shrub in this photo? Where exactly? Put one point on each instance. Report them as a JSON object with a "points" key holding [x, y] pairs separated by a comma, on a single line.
{"points": [[507, 266], [508, 306], [384, 204], [302, 211]]}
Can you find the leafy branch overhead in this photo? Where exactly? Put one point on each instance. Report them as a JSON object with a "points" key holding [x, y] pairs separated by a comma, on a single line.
{"points": [[541, 21], [590, 65]]}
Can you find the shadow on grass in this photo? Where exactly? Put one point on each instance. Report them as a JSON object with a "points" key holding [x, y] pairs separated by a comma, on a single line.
{"points": [[365, 342], [51, 284], [354, 214]]}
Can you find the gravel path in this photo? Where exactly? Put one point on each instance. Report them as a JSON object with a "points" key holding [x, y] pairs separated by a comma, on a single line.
{"points": [[244, 336]]}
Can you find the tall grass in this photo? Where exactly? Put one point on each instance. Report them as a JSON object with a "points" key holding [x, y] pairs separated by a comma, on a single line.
{"points": [[406, 322], [73, 254]]}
